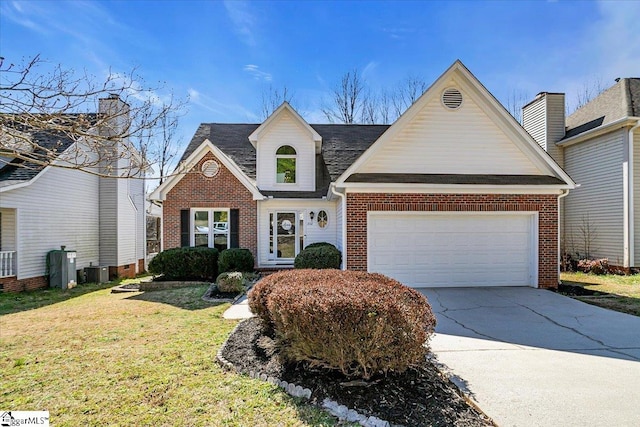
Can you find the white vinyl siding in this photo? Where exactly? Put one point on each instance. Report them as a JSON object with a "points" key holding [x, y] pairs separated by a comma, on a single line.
{"points": [[287, 130], [636, 197], [312, 233], [454, 249], [597, 204], [59, 208], [544, 120], [464, 141]]}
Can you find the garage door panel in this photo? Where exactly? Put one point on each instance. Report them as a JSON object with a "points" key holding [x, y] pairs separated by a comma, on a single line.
{"points": [[453, 249]]}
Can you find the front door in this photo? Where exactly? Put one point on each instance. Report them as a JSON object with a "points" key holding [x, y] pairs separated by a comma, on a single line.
{"points": [[285, 233]]}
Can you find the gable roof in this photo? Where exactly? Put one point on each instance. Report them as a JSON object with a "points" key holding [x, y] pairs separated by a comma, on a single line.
{"points": [[283, 109], [620, 101], [493, 109], [19, 170], [342, 145]]}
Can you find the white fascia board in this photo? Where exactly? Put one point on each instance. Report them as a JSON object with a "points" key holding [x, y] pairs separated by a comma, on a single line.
{"points": [[161, 192], [615, 125], [255, 135], [452, 189]]}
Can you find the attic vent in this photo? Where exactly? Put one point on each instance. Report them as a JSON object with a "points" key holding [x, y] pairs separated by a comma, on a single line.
{"points": [[210, 168], [452, 98]]}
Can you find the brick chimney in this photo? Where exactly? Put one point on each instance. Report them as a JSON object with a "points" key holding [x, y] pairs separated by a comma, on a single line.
{"points": [[544, 119]]}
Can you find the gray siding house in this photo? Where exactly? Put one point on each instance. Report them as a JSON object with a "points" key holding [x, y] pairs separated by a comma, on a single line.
{"points": [[599, 147], [44, 208]]}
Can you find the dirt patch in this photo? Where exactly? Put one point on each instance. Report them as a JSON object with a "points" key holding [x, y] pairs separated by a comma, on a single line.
{"points": [[422, 396]]}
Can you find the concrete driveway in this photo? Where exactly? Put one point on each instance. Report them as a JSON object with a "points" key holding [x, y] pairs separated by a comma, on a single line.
{"points": [[531, 357]]}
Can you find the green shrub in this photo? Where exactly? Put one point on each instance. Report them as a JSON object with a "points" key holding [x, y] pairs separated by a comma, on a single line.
{"points": [[361, 324], [186, 264], [319, 256], [235, 259], [230, 282]]}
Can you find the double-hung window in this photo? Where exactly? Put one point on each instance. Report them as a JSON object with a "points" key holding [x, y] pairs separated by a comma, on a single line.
{"points": [[210, 228]]}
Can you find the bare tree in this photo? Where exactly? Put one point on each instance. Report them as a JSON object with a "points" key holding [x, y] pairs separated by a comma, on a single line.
{"points": [[347, 98], [407, 92], [272, 98], [370, 109], [49, 116], [515, 101], [587, 235], [590, 89], [385, 114]]}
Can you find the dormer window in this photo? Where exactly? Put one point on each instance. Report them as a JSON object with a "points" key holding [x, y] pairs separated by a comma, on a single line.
{"points": [[286, 165]]}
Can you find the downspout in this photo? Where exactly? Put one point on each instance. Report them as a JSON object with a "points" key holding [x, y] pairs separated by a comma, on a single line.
{"points": [[344, 224], [560, 214], [629, 214]]}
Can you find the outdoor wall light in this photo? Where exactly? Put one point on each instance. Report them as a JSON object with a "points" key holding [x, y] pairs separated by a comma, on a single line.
{"points": [[311, 215]]}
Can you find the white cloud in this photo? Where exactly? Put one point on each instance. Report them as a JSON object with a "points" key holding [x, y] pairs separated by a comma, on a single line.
{"points": [[221, 110], [369, 69], [243, 20], [257, 74]]}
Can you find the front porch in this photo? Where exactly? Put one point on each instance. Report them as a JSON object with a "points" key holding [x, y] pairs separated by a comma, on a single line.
{"points": [[8, 263]]}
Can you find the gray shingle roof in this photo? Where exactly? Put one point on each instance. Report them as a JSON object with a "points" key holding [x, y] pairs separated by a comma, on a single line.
{"points": [[19, 170], [341, 146], [619, 101]]}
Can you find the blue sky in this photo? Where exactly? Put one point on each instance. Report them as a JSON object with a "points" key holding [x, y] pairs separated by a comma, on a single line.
{"points": [[225, 54]]}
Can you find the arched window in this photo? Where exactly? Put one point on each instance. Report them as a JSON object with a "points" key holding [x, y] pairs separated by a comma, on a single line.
{"points": [[286, 165]]}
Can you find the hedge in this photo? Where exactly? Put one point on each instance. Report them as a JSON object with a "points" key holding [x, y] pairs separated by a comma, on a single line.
{"points": [[188, 263], [361, 324], [235, 259], [319, 256]]}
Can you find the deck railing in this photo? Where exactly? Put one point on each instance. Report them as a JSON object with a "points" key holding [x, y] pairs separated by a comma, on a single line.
{"points": [[7, 263]]}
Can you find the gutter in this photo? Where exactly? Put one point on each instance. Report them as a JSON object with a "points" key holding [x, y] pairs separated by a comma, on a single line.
{"points": [[565, 193], [343, 198], [629, 211], [597, 131]]}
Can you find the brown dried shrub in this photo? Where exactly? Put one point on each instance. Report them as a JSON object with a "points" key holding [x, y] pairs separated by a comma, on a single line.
{"points": [[361, 324]]}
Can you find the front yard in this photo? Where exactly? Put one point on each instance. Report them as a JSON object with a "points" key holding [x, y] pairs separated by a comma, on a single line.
{"points": [[619, 293], [95, 358]]}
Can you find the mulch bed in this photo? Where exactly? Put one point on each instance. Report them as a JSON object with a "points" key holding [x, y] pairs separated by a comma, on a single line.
{"points": [[421, 396]]}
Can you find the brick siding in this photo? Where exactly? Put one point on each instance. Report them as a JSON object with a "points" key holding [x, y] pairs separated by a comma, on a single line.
{"points": [[221, 191], [358, 204], [12, 284]]}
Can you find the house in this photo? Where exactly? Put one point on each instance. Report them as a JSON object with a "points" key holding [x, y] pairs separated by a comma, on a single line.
{"points": [[44, 208], [454, 193], [599, 147]]}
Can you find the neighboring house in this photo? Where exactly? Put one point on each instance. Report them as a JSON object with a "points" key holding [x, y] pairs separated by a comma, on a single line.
{"points": [[599, 147], [42, 209], [454, 193]]}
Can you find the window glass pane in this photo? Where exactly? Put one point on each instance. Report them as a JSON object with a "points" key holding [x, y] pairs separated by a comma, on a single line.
{"points": [[271, 233], [201, 222], [220, 241], [286, 171], [286, 149], [201, 240], [220, 222], [323, 219]]}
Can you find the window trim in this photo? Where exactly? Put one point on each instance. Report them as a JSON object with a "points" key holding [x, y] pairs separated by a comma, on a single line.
{"points": [[287, 156], [210, 220], [326, 213]]}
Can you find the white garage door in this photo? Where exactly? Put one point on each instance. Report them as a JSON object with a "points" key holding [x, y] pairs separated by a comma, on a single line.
{"points": [[423, 249]]}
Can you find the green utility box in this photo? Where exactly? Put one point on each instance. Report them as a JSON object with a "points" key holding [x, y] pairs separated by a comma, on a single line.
{"points": [[62, 268]]}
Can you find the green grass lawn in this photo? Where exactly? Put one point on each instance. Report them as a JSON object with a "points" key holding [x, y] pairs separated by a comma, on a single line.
{"points": [[624, 290], [93, 358]]}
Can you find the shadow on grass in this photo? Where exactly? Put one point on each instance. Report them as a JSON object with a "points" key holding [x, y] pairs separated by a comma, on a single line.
{"points": [[16, 302], [187, 298], [608, 300]]}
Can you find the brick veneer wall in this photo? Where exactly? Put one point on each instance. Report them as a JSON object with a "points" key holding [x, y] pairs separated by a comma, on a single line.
{"points": [[358, 204], [221, 191], [12, 284]]}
